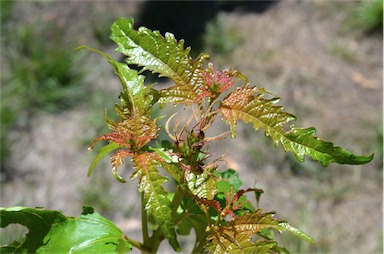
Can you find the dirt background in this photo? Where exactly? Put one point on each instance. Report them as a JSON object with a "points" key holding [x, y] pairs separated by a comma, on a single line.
{"points": [[330, 77]]}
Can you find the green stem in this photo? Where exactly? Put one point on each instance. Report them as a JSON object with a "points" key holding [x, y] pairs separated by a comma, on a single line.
{"points": [[144, 223], [136, 244], [156, 239], [176, 201], [199, 248], [181, 217]]}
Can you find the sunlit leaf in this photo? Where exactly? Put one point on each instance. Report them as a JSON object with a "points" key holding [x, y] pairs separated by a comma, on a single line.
{"points": [[249, 105], [155, 197], [285, 226], [52, 232], [163, 55], [90, 233], [203, 186], [135, 95]]}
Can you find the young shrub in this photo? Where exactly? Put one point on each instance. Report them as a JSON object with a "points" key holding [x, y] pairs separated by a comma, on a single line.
{"points": [[209, 201]]}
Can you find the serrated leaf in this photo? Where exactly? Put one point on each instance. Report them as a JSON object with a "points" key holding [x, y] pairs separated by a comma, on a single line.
{"points": [[253, 223], [249, 105], [136, 127], [90, 233], [235, 242], [236, 235], [203, 186], [155, 197], [303, 141], [163, 55], [37, 220]]}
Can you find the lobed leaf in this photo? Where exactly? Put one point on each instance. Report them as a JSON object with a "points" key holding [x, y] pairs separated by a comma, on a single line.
{"points": [[249, 105]]}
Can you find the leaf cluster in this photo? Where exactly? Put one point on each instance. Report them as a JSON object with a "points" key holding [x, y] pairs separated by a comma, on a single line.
{"points": [[206, 200], [211, 93]]}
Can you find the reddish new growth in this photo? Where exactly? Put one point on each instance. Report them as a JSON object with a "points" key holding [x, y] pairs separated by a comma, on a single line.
{"points": [[119, 136], [231, 199], [131, 134], [232, 203], [216, 82]]}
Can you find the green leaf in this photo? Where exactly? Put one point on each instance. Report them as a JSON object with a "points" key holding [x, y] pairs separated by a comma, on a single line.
{"points": [[162, 55], [232, 177], [165, 155], [103, 151], [192, 216], [285, 226], [155, 197], [52, 232], [135, 96], [37, 220], [203, 186], [302, 141], [249, 105], [91, 233]]}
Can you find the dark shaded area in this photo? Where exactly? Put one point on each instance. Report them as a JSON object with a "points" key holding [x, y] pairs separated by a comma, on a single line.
{"points": [[187, 19]]}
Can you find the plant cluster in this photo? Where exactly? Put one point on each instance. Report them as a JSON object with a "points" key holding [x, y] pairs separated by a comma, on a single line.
{"points": [[208, 200]]}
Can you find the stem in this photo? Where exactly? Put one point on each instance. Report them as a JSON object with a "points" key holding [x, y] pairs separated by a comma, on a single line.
{"points": [[156, 239], [181, 217], [144, 223], [136, 244], [176, 200], [199, 248]]}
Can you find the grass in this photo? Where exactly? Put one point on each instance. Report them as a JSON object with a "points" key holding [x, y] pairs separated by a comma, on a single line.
{"points": [[40, 74], [367, 17]]}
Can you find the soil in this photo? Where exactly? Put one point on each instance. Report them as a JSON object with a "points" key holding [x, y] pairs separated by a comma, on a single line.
{"points": [[328, 76]]}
